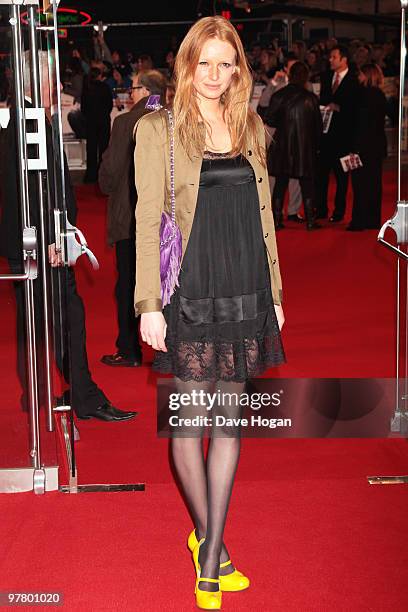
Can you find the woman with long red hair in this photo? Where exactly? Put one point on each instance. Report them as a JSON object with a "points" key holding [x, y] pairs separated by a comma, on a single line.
{"points": [[222, 325]]}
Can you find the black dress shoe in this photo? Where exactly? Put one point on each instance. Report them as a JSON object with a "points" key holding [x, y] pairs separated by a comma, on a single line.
{"points": [[118, 359], [107, 412], [335, 219], [296, 218]]}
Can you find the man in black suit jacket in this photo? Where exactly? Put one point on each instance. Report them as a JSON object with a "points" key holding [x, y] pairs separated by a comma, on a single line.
{"points": [[86, 398], [339, 92], [117, 179]]}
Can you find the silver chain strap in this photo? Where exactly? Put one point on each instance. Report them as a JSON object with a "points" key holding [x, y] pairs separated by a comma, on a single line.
{"points": [[172, 188]]}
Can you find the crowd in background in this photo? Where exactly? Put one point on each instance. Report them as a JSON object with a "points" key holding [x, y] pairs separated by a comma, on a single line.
{"points": [[117, 66], [105, 81]]}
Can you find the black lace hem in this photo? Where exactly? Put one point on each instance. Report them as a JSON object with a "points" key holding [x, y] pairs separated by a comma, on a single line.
{"points": [[218, 360]]}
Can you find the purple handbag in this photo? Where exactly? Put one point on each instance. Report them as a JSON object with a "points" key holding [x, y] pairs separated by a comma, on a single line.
{"points": [[170, 235]]}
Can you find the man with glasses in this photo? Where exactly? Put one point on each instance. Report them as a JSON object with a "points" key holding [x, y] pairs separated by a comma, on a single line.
{"points": [[116, 179]]}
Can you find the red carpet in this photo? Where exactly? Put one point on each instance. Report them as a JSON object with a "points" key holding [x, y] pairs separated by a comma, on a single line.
{"points": [[303, 524]]}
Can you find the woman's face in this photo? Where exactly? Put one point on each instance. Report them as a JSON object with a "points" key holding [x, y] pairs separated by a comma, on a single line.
{"points": [[215, 68]]}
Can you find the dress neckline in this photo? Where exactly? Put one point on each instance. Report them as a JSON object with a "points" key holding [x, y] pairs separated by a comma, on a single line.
{"points": [[216, 155]]}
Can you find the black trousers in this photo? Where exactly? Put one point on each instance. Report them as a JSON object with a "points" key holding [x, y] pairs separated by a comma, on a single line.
{"points": [[328, 161], [127, 341], [97, 140], [282, 182], [367, 191], [70, 340]]}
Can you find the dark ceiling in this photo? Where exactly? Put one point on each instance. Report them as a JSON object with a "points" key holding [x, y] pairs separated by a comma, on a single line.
{"points": [[142, 10], [189, 10]]}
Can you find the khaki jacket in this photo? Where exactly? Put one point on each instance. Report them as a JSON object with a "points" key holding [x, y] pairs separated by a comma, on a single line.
{"points": [[152, 173]]}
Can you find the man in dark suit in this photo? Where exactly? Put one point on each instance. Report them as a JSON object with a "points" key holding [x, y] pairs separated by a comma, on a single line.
{"points": [[86, 398], [339, 93], [117, 179]]}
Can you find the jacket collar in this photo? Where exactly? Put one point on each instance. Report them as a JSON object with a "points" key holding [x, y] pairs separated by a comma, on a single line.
{"points": [[139, 105]]}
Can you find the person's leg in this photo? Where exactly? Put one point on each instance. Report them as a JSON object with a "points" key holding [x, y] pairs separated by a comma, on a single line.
{"points": [[16, 267], [91, 174], [127, 341], [359, 198], [322, 184], [307, 188], [103, 139], [372, 218], [222, 463], [295, 197], [189, 462], [188, 456], [342, 179], [278, 198], [85, 394]]}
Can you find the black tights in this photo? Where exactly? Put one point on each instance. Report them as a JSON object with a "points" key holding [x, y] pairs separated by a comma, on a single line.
{"points": [[207, 486]]}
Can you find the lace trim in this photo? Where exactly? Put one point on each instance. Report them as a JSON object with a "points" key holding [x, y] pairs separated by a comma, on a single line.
{"points": [[218, 360], [214, 155]]}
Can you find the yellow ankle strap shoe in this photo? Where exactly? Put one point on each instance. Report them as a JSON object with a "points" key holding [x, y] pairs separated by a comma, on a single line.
{"points": [[208, 600], [235, 581]]}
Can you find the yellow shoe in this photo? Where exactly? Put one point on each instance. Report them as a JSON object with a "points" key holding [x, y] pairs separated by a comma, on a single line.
{"points": [[206, 600], [235, 581]]}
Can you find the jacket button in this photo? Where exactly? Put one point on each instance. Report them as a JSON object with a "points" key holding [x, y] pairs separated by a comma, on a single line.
{"points": [[249, 152], [266, 235], [263, 208], [260, 179], [274, 261]]}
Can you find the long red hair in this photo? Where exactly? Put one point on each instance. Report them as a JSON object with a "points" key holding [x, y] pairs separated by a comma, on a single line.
{"points": [[240, 118]]}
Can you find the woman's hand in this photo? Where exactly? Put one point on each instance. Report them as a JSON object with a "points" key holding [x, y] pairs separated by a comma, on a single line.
{"points": [[279, 315], [153, 330]]}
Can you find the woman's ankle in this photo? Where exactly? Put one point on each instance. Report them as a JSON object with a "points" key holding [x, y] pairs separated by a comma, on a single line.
{"points": [[200, 533]]}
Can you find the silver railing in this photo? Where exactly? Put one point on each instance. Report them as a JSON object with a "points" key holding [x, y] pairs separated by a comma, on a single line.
{"points": [[399, 224]]}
